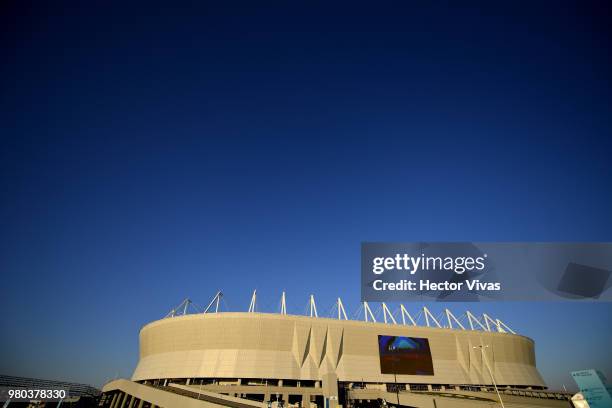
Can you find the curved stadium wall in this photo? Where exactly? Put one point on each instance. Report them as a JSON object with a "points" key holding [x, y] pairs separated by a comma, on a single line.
{"points": [[289, 347]]}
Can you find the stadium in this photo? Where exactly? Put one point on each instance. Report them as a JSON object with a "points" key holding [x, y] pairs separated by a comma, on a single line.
{"points": [[210, 358]]}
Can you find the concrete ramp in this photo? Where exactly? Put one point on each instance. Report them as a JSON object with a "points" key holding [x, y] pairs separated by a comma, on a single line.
{"points": [[129, 394]]}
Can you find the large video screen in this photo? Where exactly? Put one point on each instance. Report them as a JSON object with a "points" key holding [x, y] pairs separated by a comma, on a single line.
{"points": [[404, 355]]}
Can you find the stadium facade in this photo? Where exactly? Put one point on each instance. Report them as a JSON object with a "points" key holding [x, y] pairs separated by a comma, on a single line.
{"points": [[252, 359]]}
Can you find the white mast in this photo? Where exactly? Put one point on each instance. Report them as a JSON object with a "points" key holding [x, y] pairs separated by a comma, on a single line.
{"points": [[450, 315], [313, 307], [341, 310], [283, 305], [404, 314], [488, 320], [502, 327], [366, 311], [253, 302], [387, 311], [214, 300], [472, 319], [428, 315]]}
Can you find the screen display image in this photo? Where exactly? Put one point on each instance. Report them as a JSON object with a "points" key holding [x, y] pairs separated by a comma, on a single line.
{"points": [[405, 355]]}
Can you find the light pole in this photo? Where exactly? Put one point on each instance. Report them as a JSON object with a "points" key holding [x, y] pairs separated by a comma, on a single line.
{"points": [[395, 380], [481, 347]]}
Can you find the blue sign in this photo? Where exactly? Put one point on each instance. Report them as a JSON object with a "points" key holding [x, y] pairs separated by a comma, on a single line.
{"points": [[592, 385]]}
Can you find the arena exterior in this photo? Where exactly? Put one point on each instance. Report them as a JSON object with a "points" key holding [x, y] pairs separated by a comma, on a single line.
{"points": [[252, 359]]}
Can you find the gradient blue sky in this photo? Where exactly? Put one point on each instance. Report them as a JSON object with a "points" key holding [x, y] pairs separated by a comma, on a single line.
{"points": [[152, 153]]}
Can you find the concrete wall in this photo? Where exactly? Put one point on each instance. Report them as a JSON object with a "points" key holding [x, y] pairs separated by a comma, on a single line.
{"points": [[259, 345]]}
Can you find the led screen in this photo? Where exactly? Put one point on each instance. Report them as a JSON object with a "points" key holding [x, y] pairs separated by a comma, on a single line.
{"points": [[404, 355]]}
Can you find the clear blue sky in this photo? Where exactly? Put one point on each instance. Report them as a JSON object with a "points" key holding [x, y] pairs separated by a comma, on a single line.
{"points": [[156, 152]]}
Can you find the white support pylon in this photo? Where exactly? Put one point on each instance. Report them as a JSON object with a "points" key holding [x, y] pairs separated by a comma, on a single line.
{"points": [[472, 319], [313, 307], [341, 310], [214, 300], [488, 320], [428, 315], [449, 316], [387, 311], [404, 314], [366, 311], [283, 310], [503, 328], [253, 302]]}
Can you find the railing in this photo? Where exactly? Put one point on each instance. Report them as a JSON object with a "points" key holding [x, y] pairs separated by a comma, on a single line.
{"points": [[203, 397]]}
